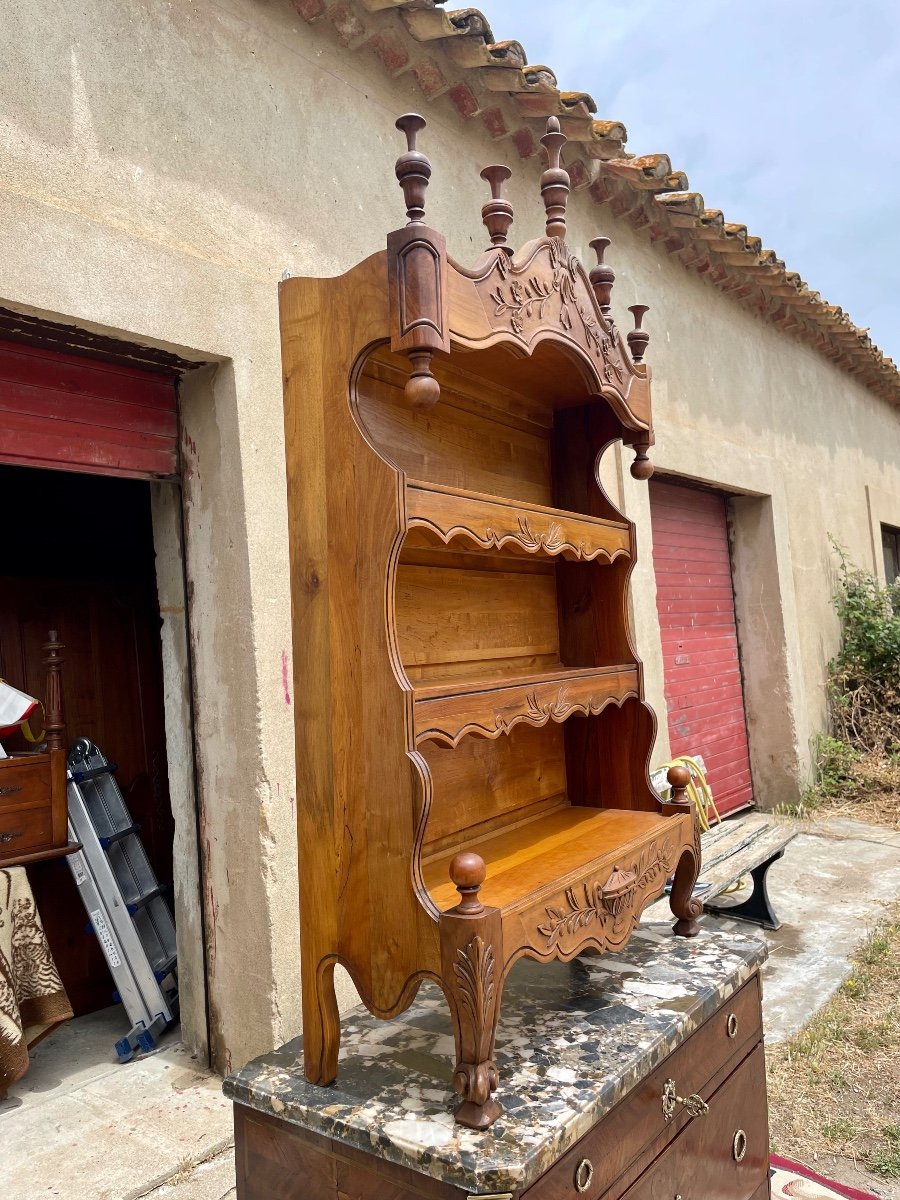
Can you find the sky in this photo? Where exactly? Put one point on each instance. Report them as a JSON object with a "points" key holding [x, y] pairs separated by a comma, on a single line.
{"points": [[785, 114]]}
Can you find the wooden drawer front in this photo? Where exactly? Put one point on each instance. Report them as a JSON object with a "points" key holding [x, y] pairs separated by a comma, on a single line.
{"points": [[723, 1155], [24, 829], [638, 1120], [25, 783]]}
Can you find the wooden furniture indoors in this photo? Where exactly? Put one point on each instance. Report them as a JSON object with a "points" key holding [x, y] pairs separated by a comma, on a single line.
{"points": [[33, 807], [472, 740]]}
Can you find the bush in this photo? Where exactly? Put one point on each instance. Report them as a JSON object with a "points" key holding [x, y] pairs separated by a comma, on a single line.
{"points": [[864, 677]]}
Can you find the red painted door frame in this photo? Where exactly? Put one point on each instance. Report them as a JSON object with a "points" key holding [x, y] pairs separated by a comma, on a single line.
{"points": [[698, 628]]}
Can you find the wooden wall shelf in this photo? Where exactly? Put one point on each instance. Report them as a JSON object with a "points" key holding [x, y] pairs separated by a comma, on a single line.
{"points": [[487, 524], [472, 738], [448, 714]]}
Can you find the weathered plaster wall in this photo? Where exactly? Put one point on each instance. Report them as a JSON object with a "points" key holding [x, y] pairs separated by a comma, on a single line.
{"points": [[163, 165]]}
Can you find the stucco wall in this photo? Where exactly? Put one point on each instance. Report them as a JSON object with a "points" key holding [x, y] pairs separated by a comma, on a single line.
{"points": [[163, 165]]}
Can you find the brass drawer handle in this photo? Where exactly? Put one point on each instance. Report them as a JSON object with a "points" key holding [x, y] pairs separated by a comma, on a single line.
{"points": [[11, 837], [11, 791], [695, 1105], [584, 1173], [739, 1146], [732, 1025]]}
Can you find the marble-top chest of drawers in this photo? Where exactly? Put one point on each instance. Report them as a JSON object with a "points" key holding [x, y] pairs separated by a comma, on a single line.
{"points": [[637, 1076]]}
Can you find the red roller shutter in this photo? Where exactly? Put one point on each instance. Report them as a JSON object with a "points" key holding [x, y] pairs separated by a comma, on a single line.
{"points": [[695, 601], [59, 410]]}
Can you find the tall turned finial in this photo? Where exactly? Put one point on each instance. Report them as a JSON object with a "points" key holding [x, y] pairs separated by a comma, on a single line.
{"points": [[54, 723], [468, 872], [602, 276], [638, 337], [555, 180], [413, 168], [497, 214], [678, 779]]}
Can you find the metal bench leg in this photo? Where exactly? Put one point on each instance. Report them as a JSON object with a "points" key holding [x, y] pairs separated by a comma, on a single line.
{"points": [[757, 907]]}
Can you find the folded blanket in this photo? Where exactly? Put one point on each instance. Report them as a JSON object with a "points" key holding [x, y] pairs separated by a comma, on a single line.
{"points": [[31, 991]]}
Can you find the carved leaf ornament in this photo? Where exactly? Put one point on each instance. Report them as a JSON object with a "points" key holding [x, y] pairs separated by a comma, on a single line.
{"points": [[474, 971], [610, 903], [526, 301]]}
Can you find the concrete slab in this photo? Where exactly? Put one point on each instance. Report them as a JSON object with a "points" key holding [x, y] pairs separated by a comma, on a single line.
{"points": [[211, 1180], [829, 891], [82, 1126]]}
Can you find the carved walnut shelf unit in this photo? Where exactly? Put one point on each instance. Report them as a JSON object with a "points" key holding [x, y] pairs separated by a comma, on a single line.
{"points": [[472, 739]]}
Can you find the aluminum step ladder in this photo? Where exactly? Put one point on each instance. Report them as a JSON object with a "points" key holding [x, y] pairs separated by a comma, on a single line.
{"points": [[123, 899]]}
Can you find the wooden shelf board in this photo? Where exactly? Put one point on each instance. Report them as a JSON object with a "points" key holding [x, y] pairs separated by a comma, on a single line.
{"points": [[559, 674], [495, 523], [551, 851], [451, 712]]}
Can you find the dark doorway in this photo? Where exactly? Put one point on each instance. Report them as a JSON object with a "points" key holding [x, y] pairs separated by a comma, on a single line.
{"points": [[78, 557]]}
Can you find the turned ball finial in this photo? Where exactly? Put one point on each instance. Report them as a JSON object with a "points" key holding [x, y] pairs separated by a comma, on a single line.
{"points": [[678, 779], [413, 169], [497, 214], [641, 467], [602, 276], [638, 338], [422, 390], [555, 180], [468, 872]]}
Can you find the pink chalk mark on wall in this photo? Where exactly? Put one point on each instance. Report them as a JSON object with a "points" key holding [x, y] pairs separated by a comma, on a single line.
{"points": [[285, 678]]}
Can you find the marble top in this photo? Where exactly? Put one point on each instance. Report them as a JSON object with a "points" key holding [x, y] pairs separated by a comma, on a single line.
{"points": [[574, 1038]]}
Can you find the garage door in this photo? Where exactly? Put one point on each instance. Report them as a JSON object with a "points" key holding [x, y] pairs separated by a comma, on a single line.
{"points": [[58, 410], [695, 600]]}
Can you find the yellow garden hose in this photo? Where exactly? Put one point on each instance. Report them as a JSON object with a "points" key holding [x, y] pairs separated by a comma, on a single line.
{"points": [[698, 791], [701, 797]]}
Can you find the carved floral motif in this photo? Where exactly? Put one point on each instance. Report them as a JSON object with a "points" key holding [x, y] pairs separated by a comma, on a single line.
{"points": [[553, 708], [550, 541], [610, 905], [526, 301]]}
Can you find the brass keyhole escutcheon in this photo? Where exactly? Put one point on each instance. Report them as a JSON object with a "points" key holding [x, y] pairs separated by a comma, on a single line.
{"points": [[739, 1146], [695, 1104], [732, 1025], [584, 1173]]}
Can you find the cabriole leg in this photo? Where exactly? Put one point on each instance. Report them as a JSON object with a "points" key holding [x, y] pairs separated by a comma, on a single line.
{"points": [[321, 1024], [685, 906], [472, 970]]}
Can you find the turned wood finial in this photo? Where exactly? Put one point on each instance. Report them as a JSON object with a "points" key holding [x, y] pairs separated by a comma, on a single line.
{"points": [[497, 214], [467, 871], [678, 779], [602, 276], [55, 725], [641, 466], [638, 338], [555, 180], [413, 168]]}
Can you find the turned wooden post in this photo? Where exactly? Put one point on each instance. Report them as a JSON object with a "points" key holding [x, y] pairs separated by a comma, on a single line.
{"points": [[55, 728], [417, 274], [638, 338], [555, 180], [684, 905], [602, 276], [497, 213], [472, 969], [53, 706]]}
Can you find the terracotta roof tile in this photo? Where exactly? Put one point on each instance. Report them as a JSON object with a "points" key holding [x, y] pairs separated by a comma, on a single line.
{"points": [[453, 53]]}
